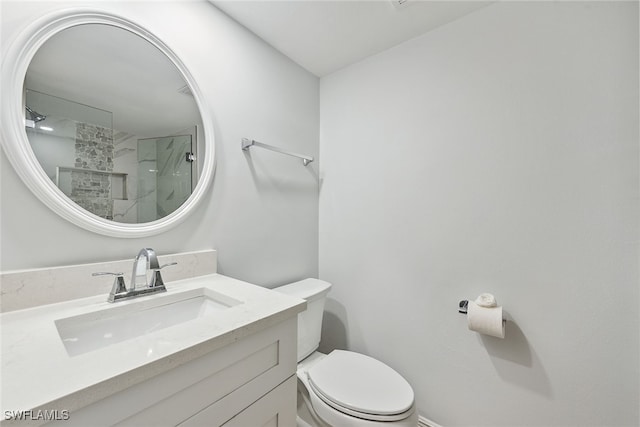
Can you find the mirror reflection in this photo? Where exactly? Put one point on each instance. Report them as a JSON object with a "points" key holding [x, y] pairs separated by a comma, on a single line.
{"points": [[113, 123]]}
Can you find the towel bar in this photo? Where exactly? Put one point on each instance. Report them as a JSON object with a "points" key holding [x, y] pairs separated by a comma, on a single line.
{"points": [[248, 143]]}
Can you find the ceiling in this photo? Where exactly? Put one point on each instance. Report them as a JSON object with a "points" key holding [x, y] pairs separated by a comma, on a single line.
{"points": [[324, 36], [139, 85]]}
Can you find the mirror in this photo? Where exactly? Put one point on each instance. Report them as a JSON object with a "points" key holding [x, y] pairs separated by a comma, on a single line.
{"points": [[111, 130], [112, 123]]}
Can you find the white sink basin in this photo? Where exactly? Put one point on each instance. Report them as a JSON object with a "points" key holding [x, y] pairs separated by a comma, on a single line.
{"points": [[91, 331]]}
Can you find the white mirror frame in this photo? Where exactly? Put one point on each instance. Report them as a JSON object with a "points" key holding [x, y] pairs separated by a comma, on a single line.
{"points": [[18, 149]]}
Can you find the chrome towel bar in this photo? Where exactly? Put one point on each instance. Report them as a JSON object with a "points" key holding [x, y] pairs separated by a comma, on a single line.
{"points": [[248, 143]]}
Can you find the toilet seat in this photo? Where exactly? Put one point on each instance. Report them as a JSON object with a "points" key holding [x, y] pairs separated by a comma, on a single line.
{"points": [[361, 386]]}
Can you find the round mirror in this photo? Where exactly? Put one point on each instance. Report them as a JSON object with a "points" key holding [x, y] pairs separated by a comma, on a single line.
{"points": [[105, 124]]}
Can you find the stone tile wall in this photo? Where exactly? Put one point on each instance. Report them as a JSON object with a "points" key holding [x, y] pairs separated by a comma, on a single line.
{"points": [[94, 150]]}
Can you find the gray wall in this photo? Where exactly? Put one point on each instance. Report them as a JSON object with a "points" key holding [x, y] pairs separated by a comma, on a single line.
{"points": [[262, 211], [498, 153]]}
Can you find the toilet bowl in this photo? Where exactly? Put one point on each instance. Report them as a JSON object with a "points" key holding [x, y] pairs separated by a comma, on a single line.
{"points": [[344, 388]]}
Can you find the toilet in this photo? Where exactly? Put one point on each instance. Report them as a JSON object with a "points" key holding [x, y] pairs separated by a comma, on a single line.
{"points": [[343, 388]]}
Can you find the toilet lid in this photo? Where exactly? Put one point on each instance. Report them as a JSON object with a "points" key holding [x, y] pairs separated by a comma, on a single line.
{"points": [[360, 383]]}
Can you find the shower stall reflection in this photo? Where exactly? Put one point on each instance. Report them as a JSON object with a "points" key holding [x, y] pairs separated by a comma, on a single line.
{"points": [[114, 174]]}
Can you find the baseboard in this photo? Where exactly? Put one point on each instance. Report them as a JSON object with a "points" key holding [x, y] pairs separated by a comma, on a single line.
{"points": [[425, 422]]}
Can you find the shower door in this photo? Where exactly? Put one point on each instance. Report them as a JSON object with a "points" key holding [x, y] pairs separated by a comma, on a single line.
{"points": [[165, 169]]}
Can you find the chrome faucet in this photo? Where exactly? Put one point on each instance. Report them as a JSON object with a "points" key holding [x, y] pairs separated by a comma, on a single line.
{"points": [[146, 261]]}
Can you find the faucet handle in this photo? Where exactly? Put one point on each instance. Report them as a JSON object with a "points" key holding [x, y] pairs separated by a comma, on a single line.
{"points": [[118, 287], [157, 281], [167, 265]]}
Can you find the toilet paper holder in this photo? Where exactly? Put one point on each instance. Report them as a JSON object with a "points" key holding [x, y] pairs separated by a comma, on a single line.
{"points": [[463, 306]]}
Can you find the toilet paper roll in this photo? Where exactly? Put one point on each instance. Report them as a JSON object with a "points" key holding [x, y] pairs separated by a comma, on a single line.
{"points": [[486, 300], [485, 320]]}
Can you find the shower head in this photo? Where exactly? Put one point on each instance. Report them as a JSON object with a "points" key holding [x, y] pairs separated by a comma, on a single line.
{"points": [[36, 117]]}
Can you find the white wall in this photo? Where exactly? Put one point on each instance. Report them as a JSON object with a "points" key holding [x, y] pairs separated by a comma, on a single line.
{"points": [[498, 153], [262, 212]]}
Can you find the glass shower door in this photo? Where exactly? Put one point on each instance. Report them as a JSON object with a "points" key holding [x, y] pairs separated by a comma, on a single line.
{"points": [[165, 170]]}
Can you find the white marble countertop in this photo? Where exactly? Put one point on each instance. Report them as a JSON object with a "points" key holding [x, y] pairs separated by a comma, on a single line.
{"points": [[38, 373]]}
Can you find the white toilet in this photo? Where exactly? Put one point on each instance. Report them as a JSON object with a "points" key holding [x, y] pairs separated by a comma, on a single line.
{"points": [[344, 388]]}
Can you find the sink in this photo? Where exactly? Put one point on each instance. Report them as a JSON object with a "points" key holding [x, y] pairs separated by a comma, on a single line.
{"points": [[128, 320]]}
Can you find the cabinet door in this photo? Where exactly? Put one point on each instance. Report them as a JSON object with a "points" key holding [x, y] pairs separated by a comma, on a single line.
{"points": [[278, 408], [275, 409]]}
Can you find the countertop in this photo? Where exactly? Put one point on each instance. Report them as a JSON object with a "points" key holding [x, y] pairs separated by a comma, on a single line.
{"points": [[38, 373]]}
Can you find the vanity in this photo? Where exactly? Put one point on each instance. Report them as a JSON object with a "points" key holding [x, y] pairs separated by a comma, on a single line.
{"points": [[212, 351]]}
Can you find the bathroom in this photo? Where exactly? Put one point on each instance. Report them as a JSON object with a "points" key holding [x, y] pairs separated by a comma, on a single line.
{"points": [[497, 152]]}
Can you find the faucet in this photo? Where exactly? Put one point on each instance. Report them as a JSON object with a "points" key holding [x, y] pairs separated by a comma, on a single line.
{"points": [[145, 261]]}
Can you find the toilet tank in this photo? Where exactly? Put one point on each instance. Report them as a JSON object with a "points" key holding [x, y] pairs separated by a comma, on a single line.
{"points": [[314, 291]]}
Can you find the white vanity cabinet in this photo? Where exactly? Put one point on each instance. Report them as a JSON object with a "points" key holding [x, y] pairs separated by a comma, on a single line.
{"points": [[233, 363], [250, 382]]}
